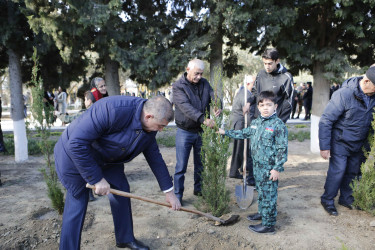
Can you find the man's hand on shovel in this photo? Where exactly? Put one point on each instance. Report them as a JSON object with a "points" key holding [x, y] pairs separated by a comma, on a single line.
{"points": [[102, 187], [171, 198]]}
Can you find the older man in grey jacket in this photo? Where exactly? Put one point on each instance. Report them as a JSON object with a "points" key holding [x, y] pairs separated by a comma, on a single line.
{"points": [[192, 96]]}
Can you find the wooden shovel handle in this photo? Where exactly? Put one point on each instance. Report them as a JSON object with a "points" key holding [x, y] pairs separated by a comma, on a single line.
{"points": [[133, 196]]}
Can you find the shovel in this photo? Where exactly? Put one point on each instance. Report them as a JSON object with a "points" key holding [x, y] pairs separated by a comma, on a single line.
{"points": [[233, 218], [244, 194]]}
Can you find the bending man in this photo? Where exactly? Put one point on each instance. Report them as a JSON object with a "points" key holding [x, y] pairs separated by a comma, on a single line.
{"points": [[94, 148]]}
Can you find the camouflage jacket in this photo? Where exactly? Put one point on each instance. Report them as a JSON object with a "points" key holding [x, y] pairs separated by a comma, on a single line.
{"points": [[268, 141]]}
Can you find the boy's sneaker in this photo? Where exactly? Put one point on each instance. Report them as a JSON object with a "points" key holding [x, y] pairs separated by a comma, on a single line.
{"points": [[254, 217], [260, 229]]}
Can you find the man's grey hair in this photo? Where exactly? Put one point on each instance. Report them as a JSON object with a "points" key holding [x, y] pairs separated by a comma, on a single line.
{"points": [[196, 63], [96, 81], [160, 107]]}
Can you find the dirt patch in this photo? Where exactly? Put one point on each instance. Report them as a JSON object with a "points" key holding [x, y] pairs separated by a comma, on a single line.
{"points": [[28, 222]]}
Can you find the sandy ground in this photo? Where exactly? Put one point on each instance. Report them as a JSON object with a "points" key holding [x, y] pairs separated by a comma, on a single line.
{"points": [[28, 222]]}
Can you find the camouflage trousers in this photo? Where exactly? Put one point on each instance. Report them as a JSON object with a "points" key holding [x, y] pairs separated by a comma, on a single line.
{"points": [[267, 194]]}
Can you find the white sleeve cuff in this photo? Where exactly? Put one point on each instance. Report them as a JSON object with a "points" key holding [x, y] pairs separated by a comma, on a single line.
{"points": [[168, 190]]}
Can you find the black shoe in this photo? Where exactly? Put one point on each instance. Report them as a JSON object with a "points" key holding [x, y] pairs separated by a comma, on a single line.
{"points": [[254, 217], [133, 245], [198, 193], [260, 229], [331, 209], [250, 183], [349, 206]]}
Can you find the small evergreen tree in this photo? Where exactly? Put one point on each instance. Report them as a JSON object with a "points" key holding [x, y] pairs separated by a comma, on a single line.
{"points": [[364, 189], [43, 119], [215, 153]]}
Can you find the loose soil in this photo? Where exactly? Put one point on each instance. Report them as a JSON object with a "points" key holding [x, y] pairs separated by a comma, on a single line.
{"points": [[28, 222]]}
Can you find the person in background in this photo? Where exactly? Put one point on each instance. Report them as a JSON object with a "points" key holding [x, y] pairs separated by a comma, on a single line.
{"points": [[343, 131], [99, 88], [294, 100], [274, 77], [333, 88], [307, 101], [300, 92], [237, 120], [192, 96], [48, 98]]}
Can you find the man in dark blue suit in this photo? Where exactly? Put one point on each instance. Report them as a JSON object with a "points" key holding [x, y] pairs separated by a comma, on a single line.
{"points": [[343, 130], [94, 148]]}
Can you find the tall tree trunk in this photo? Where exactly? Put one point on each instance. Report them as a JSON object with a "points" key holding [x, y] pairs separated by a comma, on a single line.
{"points": [[320, 100], [112, 77], [216, 65], [17, 104]]}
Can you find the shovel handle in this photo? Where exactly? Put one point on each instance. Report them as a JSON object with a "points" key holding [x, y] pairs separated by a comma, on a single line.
{"points": [[137, 197]]}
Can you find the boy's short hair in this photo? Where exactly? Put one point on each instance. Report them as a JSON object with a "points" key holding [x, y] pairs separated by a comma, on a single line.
{"points": [[271, 53], [266, 95]]}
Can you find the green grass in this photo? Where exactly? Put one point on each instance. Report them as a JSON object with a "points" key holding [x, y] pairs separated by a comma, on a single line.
{"points": [[300, 136], [168, 141], [300, 126], [8, 136], [56, 133], [51, 134], [32, 146]]}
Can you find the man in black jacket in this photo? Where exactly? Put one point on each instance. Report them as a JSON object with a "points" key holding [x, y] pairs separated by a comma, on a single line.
{"points": [[192, 95], [274, 77]]}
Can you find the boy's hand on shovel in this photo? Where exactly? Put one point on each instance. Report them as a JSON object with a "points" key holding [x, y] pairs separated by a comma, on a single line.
{"points": [[102, 187], [171, 198]]}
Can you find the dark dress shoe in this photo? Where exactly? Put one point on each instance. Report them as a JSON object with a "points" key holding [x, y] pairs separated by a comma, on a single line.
{"points": [[349, 206], [331, 209], [260, 229], [254, 217], [198, 193], [133, 245], [250, 183]]}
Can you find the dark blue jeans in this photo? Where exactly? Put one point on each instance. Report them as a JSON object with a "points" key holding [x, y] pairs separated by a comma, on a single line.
{"points": [[185, 140], [341, 172]]}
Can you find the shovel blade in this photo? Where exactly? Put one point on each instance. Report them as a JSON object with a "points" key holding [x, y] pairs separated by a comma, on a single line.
{"points": [[244, 196]]}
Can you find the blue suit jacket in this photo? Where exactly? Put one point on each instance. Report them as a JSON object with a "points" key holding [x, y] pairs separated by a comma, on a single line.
{"points": [[108, 134]]}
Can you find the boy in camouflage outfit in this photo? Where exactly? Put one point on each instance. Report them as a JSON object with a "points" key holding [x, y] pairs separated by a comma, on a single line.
{"points": [[269, 150]]}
